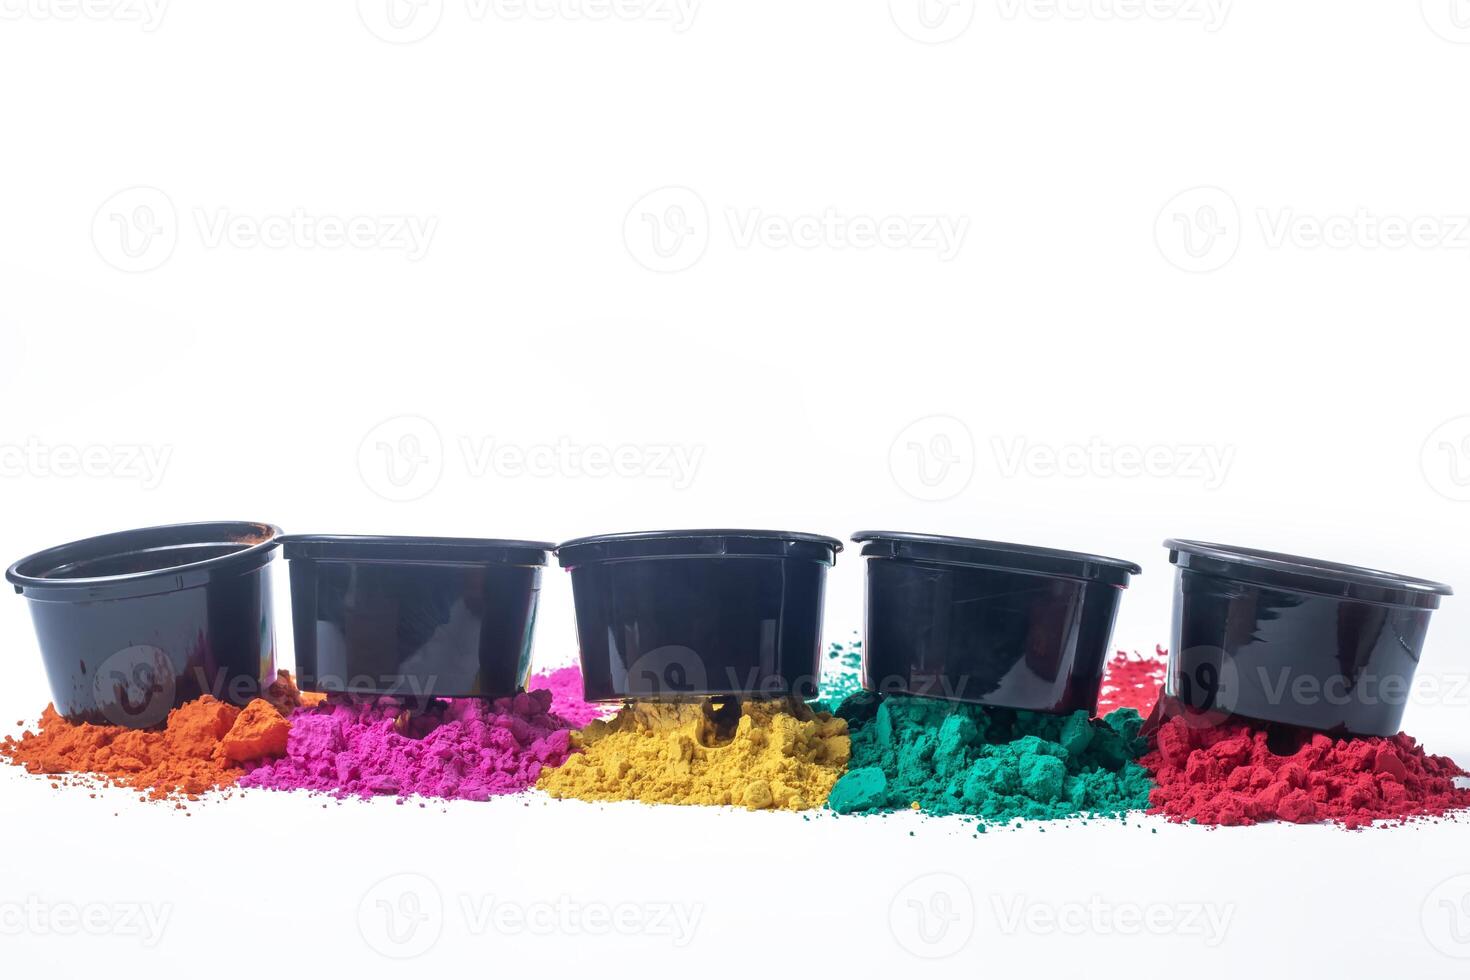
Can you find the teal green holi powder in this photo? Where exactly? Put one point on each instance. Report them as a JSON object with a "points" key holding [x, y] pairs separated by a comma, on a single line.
{"points": [[841, 675], [992, 763]]}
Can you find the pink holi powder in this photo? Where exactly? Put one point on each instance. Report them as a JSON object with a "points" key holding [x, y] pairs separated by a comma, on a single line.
{"points": [[1133, 681], [461, 748], [565, 685]]}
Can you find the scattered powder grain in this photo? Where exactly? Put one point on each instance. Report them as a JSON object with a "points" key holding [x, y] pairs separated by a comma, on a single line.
{"points": [[716, 752], [1238, 773], [202, 746], [998, 765]]}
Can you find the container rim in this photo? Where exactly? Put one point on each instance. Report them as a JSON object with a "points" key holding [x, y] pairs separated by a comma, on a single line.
{"points": [[703, 542], [36, 572], [1032, 559], [1273, 568], [415, 548]]}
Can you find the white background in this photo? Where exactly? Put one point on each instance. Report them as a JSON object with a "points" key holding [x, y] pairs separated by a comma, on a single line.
{"points": [[1186, 227]]}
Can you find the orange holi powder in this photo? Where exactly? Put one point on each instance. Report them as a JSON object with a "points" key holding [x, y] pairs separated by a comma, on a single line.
{"points": [[201, 747]]}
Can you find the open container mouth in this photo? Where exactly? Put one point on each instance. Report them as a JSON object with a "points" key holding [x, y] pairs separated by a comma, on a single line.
{"points": [[698, 543], [996, 554], [143, 561], [438, 551], [1294, 573]]}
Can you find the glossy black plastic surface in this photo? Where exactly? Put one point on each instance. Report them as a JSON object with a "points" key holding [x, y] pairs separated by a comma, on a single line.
{"points": [[679, 614], [988, 622], [133, 624], [1280, 638], [413, 617]]}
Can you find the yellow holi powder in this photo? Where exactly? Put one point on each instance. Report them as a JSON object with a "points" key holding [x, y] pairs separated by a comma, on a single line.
{"points": [[759, 755]]}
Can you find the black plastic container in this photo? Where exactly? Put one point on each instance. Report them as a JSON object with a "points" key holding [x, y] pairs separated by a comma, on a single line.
{"points": [[413, 617], [680, 614], [986, 622], [1305, 642], [136, 623]]}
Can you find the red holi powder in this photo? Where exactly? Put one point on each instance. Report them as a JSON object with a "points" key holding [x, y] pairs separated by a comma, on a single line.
{"points": [[1132, 681], [1230, 772]]}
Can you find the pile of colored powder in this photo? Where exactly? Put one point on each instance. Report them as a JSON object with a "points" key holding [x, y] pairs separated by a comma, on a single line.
{"points": [[992, 763], [1238, 773], [841, 675], [565, 685], [459, 748], [716, 752], [203, 745], [1133, 681]]}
